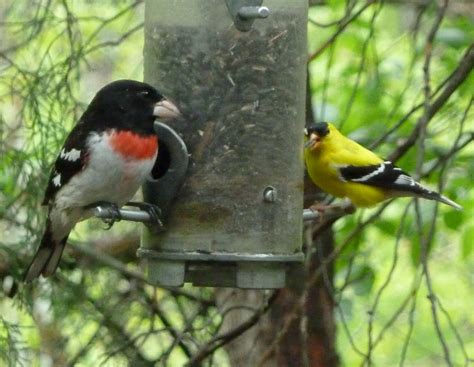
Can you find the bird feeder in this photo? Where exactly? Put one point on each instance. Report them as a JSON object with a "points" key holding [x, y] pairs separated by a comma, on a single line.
{"points": [[237, 71]]}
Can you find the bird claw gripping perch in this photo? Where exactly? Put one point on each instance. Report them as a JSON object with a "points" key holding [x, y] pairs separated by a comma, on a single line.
{"points": [[154, 222], [108, 212], [148, 214]]}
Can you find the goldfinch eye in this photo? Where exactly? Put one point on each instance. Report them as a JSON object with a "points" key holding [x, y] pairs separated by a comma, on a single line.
{"points": [[144, 93]]}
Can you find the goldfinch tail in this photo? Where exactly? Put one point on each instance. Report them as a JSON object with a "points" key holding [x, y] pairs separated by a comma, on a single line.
{"points": [[433, 195], [445, 200]]}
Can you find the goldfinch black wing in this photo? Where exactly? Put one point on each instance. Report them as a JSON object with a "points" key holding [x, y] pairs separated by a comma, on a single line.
{"points": [[385, 175], [390, 177]]}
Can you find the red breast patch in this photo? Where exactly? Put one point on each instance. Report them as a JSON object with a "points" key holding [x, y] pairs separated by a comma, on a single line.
{"points": [[134, 146]]}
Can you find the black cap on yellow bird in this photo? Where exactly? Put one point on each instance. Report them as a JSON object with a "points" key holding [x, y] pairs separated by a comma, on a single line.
{"points": [[314, 133]]}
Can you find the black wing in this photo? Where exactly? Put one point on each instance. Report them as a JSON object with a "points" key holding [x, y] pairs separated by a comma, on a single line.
{"points": [[385, 175], [71, 159]]}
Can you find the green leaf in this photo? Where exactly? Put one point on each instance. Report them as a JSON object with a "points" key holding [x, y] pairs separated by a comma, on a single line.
{"points": [[415, 252], [365, 285], [453, 218], [453, 37], [346, 307], [387, 226], [416, 249], [362, 279], [467, 242]]}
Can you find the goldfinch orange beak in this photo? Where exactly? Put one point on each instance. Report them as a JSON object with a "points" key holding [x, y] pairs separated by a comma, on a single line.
{"points": [[313, 142], [166, 110]]}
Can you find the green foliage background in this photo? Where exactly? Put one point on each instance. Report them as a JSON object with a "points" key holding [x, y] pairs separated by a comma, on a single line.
{"points": [[381, 290], [54, 55]]}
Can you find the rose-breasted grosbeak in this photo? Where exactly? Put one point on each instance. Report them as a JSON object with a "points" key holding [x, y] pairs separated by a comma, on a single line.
{"points": [[105, 159]]}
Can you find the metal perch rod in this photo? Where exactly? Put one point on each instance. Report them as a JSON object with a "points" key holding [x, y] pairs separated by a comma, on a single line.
{"points": [[126, 214], [144, 217]]}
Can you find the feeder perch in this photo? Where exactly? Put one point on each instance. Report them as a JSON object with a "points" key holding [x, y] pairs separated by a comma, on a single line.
{"points": [[236, 221]]}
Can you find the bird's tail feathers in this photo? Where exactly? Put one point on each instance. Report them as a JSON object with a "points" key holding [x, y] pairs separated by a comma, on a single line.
{"points": [[447, 201], [433, 195], [46, 259]]}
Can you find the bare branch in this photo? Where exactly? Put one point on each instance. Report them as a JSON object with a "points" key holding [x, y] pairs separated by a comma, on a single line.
{"points": [[342, 27], [227, 337], [457, 77]]}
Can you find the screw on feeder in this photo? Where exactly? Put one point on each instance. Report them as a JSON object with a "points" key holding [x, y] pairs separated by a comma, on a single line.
{"points": [[253, 12], [245, 12], [269, 194]]}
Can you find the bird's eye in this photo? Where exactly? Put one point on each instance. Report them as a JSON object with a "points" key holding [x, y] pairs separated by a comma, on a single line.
{"points": [[144, 93]]}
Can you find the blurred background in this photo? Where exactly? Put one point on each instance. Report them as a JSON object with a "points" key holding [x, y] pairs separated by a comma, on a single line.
{"points": [[389, 286]]}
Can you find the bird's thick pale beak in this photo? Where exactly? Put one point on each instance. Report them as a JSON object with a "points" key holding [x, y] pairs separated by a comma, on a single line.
{"points": [[313, 142], [166, 110]]}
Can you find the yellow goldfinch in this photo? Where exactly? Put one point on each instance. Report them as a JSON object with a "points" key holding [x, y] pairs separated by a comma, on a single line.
{"points": [[344, 168]]}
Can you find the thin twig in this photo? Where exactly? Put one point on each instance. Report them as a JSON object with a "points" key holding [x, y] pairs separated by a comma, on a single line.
{"points": [[113, 263], [373, 310], [220, 340], [456, 78], [341, 28], [426, 240], [361, 67]]}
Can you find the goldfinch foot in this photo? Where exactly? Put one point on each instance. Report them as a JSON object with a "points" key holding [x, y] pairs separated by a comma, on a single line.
{"points": [[321, 208]]}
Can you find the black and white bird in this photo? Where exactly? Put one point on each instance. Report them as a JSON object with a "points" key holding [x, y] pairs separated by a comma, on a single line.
{"points": [[106, 158], [343, 168]]}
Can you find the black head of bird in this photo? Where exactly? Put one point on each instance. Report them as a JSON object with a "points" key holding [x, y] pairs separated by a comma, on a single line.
{"points": [[315, 133]]}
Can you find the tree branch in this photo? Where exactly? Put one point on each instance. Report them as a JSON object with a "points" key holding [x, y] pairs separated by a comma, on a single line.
{"points": [[227, 337], [457, 77], [107, 260], [341, 28]]}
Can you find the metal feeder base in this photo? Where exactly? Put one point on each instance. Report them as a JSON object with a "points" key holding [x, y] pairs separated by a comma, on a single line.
{"points": [[248, 271]]}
